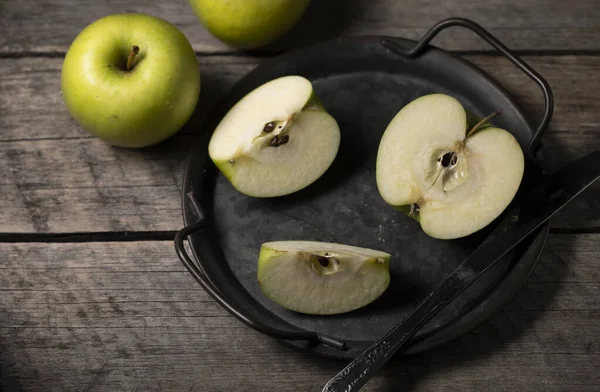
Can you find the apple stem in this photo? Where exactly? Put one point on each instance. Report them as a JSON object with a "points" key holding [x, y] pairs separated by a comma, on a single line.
{"points": [[130, 59], [483, 121]]}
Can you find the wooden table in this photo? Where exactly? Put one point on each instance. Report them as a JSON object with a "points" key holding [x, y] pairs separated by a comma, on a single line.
{"points": [[93, 297]]}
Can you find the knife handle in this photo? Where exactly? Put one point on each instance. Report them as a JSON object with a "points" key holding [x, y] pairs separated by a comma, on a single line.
{"points": [[356, 374]]}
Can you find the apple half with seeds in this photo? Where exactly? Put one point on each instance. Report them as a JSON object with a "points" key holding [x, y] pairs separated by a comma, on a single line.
{"points": [[321, 278], [453, 180], [276, 140]]}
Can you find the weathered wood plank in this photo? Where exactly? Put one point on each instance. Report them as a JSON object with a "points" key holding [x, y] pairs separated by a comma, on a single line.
{"points": [[58, 177], [32, 107], [86, 185], [78, 185], [33, 86], [51, 25], [125, 315], [31, 104]]}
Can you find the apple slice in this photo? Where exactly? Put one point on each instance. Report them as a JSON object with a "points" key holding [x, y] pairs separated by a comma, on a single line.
{"points": [[276, 140], [452, 181], [321, 278]]}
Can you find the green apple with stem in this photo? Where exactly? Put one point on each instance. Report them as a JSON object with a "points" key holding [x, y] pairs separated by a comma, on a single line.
{"points": [[276, 140], [321, 278], [249, 24], [132, 80], [454, 179]]}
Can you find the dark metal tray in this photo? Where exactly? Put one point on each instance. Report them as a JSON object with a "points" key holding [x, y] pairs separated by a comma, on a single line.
{"points": [[362, 82]]}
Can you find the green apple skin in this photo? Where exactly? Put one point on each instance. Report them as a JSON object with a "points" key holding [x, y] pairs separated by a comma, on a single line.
{"points": [[131, 108], [249, 24]]}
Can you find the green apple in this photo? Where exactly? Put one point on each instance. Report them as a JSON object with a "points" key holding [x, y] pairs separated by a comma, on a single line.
{"points": [[321, 278], [248, 24], [453, 180], [130, 79], [276, 140]]}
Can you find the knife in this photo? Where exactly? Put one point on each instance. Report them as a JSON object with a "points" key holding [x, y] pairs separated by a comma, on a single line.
{"points": [[534, 205]]}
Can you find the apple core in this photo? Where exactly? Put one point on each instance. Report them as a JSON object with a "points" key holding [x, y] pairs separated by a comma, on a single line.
{"points": [[452, 178]]}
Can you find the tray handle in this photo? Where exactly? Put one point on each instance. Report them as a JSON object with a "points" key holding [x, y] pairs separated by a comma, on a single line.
{"points": [[201, 278], [535, 142]]}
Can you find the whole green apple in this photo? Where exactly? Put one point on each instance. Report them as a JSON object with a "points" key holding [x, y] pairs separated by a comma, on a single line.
{"points": [[132, 80], [248, 24]]}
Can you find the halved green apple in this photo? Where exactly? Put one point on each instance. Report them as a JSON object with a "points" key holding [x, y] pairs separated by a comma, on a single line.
{"points": [[276, 140], [321, 278], [454, 181]]}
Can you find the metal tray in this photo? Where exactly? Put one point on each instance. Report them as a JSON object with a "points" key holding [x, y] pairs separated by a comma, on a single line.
{"points": [[362, 82]]}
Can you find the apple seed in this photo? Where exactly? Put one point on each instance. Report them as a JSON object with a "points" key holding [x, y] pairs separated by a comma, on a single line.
{"points": [[324, 261], [446, 159], [278, 141], [284, 139], [269, 127]]}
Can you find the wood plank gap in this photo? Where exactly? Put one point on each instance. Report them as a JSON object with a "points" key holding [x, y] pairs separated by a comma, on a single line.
{"points": [[116, 236], [530, 53], [61, 54], [571, 230], [21, 55], [167, 235], [271, 53]]}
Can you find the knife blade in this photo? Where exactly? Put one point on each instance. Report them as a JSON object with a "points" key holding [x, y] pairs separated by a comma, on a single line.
{"points": [[531, 208]]}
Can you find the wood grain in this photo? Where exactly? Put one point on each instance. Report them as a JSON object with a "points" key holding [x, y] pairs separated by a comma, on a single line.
{"points": [[31, 104], [79, 185], [84, 180], [30, 26], [32, 107], [127, 316], [59, 179]]}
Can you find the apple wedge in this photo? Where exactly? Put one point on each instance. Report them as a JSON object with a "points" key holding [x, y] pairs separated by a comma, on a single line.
{"points": [[454, 181], [321, 278], [276, 140]]}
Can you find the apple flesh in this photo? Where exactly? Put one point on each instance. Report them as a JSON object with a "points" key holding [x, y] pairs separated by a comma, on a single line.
{"points": [[452, 181], [245, 24], [276, 140], [130, 79], [321, 278]]}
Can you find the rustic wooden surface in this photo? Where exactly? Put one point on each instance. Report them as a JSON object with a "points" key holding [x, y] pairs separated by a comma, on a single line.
{"points": [[49, 26], [92, 297], [59, 177], [116, 316]]}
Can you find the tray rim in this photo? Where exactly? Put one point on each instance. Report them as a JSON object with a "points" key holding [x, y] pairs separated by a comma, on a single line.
{"points": [[456, 328]]}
